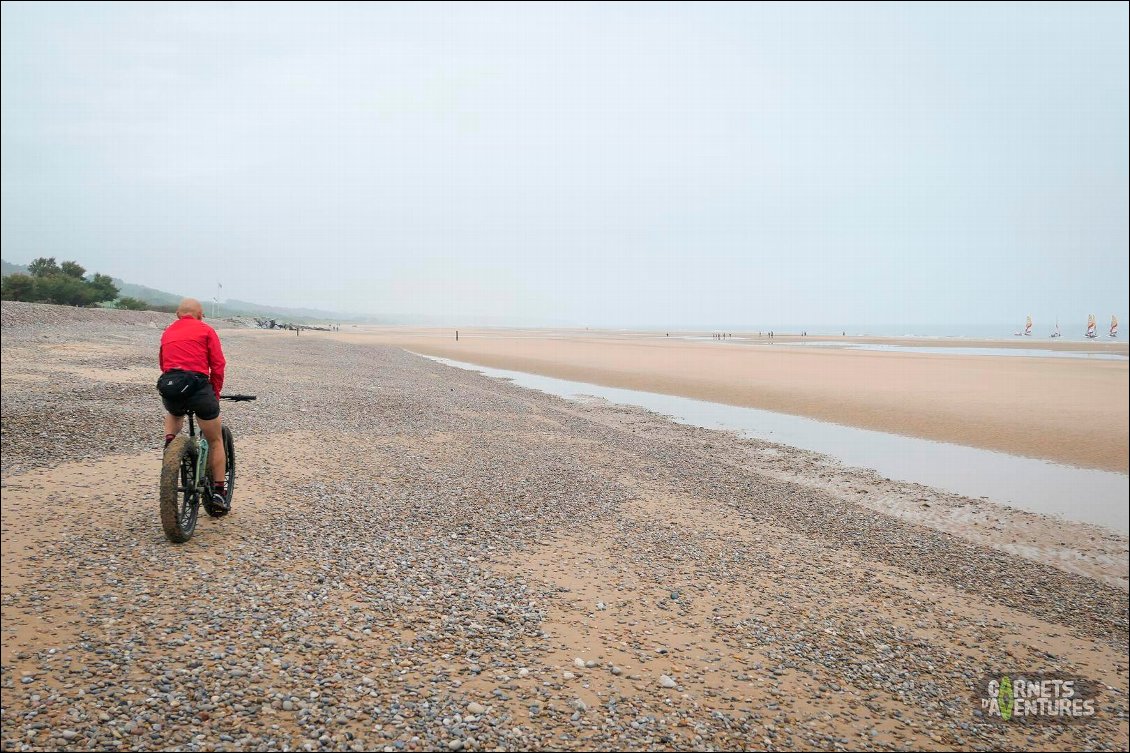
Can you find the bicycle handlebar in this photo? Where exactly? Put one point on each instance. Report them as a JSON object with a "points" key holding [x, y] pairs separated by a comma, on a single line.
{"points": [[237, 398]]}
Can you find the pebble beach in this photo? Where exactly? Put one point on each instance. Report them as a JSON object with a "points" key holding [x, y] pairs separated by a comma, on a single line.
{"points": [[420, 557]]}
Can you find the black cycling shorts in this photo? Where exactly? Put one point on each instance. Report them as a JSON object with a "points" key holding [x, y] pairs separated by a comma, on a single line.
{"points": [[184, 391]]}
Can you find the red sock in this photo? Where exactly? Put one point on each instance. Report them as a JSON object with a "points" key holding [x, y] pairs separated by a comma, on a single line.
{"points": [[169, 438]]}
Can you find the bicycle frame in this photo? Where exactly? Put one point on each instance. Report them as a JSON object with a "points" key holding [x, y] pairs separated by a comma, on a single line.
{"points": [[201, 455]]}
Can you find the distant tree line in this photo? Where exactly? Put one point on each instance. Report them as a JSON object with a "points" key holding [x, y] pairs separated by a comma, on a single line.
{"points": [[65, 284]]}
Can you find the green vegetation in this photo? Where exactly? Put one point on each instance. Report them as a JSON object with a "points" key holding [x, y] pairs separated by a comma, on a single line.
{"points": [[20, 285], [67, 284], [131, 304]]}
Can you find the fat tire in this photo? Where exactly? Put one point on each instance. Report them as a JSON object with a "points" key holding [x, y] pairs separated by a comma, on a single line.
{"points": [[175, 454]]}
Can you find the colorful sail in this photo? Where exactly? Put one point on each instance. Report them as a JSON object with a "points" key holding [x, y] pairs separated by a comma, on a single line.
{"points": [[1028, 327], [1113, 325], [1091, 325]]}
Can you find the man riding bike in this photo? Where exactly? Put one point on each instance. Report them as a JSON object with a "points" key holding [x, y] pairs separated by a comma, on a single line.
{"points": [[192, 374]]}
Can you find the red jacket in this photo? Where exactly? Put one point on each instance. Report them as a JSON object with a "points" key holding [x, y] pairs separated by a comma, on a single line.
{"points": [[192, 345]]}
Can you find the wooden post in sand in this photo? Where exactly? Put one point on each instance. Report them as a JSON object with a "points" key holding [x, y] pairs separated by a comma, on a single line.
{"points": [[456, 335]]}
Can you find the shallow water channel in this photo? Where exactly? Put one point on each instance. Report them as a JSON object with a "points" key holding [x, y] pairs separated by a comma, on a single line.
{"points": [[1080, 494]]}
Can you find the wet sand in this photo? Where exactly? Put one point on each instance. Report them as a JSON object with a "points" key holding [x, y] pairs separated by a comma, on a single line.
{"points": [[1072, 411]]}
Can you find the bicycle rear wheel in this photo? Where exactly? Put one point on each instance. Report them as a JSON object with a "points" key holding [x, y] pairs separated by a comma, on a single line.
{"points": [[180, 502]]}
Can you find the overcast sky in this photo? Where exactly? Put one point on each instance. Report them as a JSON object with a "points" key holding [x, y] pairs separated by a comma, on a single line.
{"points": [[591, 164]]}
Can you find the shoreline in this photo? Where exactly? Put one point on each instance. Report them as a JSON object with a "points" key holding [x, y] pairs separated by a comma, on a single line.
{"points": [[1012, 482], [988, 402], [1103, 344]]}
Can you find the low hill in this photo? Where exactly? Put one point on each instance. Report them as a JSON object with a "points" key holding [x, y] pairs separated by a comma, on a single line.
{"points": [[233, 307], [12, 269]]}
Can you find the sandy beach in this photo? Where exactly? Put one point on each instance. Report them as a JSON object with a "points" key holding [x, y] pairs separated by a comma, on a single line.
{"points": [[1070, 410], [421, 557]]}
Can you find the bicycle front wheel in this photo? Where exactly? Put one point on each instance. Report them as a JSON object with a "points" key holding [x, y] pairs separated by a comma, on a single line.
{"points": [[180, 500], [229, 475]]}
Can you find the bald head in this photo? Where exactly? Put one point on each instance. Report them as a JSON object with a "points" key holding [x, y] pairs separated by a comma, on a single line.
{"points": [[190, 307]]}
